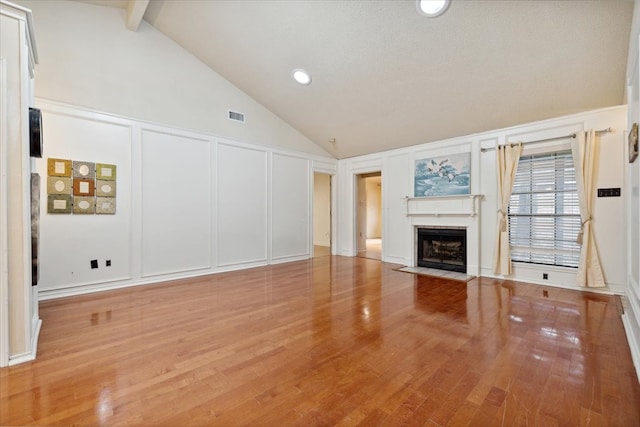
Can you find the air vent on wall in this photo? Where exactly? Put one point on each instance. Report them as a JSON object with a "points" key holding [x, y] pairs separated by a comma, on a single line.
{"points": [[236, 117]]}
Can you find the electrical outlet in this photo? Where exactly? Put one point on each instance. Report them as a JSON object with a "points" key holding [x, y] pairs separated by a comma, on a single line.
{"points": [[108, 263], [94, 263], [545, 276]]}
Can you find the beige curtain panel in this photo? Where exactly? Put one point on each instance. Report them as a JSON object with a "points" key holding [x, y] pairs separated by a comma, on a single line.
{"points": [[508, 157], [585, 150]]}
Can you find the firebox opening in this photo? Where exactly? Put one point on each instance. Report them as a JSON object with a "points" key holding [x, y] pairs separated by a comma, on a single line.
{"points": [[443, 248]]}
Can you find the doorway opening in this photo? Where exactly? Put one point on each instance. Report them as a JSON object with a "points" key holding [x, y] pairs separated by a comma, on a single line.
{"points": [[321, 214], [369, 215]]}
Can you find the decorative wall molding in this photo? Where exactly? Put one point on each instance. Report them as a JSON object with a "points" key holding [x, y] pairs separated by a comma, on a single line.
{"points": [[465, 205], [250, 172]]}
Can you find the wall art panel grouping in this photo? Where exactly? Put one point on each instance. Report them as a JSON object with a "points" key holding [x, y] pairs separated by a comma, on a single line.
{"points": [[80, 187]]}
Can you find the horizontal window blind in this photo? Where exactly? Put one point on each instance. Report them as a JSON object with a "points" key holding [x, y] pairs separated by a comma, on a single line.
{"points": [[544, 214]]}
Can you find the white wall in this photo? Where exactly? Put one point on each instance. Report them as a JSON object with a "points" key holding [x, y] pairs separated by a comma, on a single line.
{"points": [[88, 58], [177, 199], [396, 226], [631, 302], [397, 184], [242, 205], [187, 204], [68, 243], [290, 207]]}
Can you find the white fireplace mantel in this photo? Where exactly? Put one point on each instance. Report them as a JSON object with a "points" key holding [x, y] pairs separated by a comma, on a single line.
{"points": [[460, 211], [465, 205]]}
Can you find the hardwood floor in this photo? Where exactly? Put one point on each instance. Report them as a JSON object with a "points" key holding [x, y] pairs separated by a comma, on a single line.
{"points": [[328, 341], [319, 251], [373, 249]]}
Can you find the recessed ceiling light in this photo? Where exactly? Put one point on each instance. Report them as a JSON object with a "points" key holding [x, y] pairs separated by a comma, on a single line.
{"points": [[301, 76], [432, 8]]}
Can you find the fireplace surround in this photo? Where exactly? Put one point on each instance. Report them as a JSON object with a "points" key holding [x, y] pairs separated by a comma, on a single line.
{"points": [[442, 248], [460, 212]]}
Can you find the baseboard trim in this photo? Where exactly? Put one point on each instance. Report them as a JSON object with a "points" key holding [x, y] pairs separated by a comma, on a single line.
{"points": [[394, 259], [631, 321], [631, 340], [606, 291], [282, 260], [70, 291]]}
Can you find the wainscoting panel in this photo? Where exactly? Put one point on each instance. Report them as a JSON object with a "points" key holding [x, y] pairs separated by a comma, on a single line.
{"points": [[187, 204], [176, 183], [70, 242], [242, 205], [290, 207], [396, 238]]}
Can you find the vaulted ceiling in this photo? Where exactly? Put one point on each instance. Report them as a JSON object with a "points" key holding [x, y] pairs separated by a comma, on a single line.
{"points": [[385, 76]]}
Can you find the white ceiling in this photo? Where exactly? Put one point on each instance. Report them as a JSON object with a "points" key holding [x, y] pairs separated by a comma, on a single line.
{"points": [[122, 4], [386, 77]]}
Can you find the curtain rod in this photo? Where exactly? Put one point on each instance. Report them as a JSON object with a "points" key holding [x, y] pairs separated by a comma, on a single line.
{"points": [[556, 138]]}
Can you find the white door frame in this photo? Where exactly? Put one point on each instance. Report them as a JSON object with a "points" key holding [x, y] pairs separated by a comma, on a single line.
{"points": [[4, 251], [354, 200], [333, 185]]}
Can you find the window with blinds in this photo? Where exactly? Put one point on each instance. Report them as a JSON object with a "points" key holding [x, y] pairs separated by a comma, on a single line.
{"points": [[544, 215]]}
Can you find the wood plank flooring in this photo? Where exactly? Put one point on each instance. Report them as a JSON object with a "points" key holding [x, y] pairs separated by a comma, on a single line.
{"points": [[328, 341], [373, 249]]}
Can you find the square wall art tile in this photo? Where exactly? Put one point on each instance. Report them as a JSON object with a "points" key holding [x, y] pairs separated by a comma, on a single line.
{"points": [[106, 205], [59, 204], [106, 171], [84, 169], [58, 185], [58, 167], [84, 205]]}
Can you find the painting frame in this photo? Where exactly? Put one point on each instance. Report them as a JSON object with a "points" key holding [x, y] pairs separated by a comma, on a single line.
{"points": [[84, 205], [58, 167], [443, 176], [106, 205], [105, 188], [59, 203], [106, 171], [84, 187], [59, 185], [85, 170]]}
